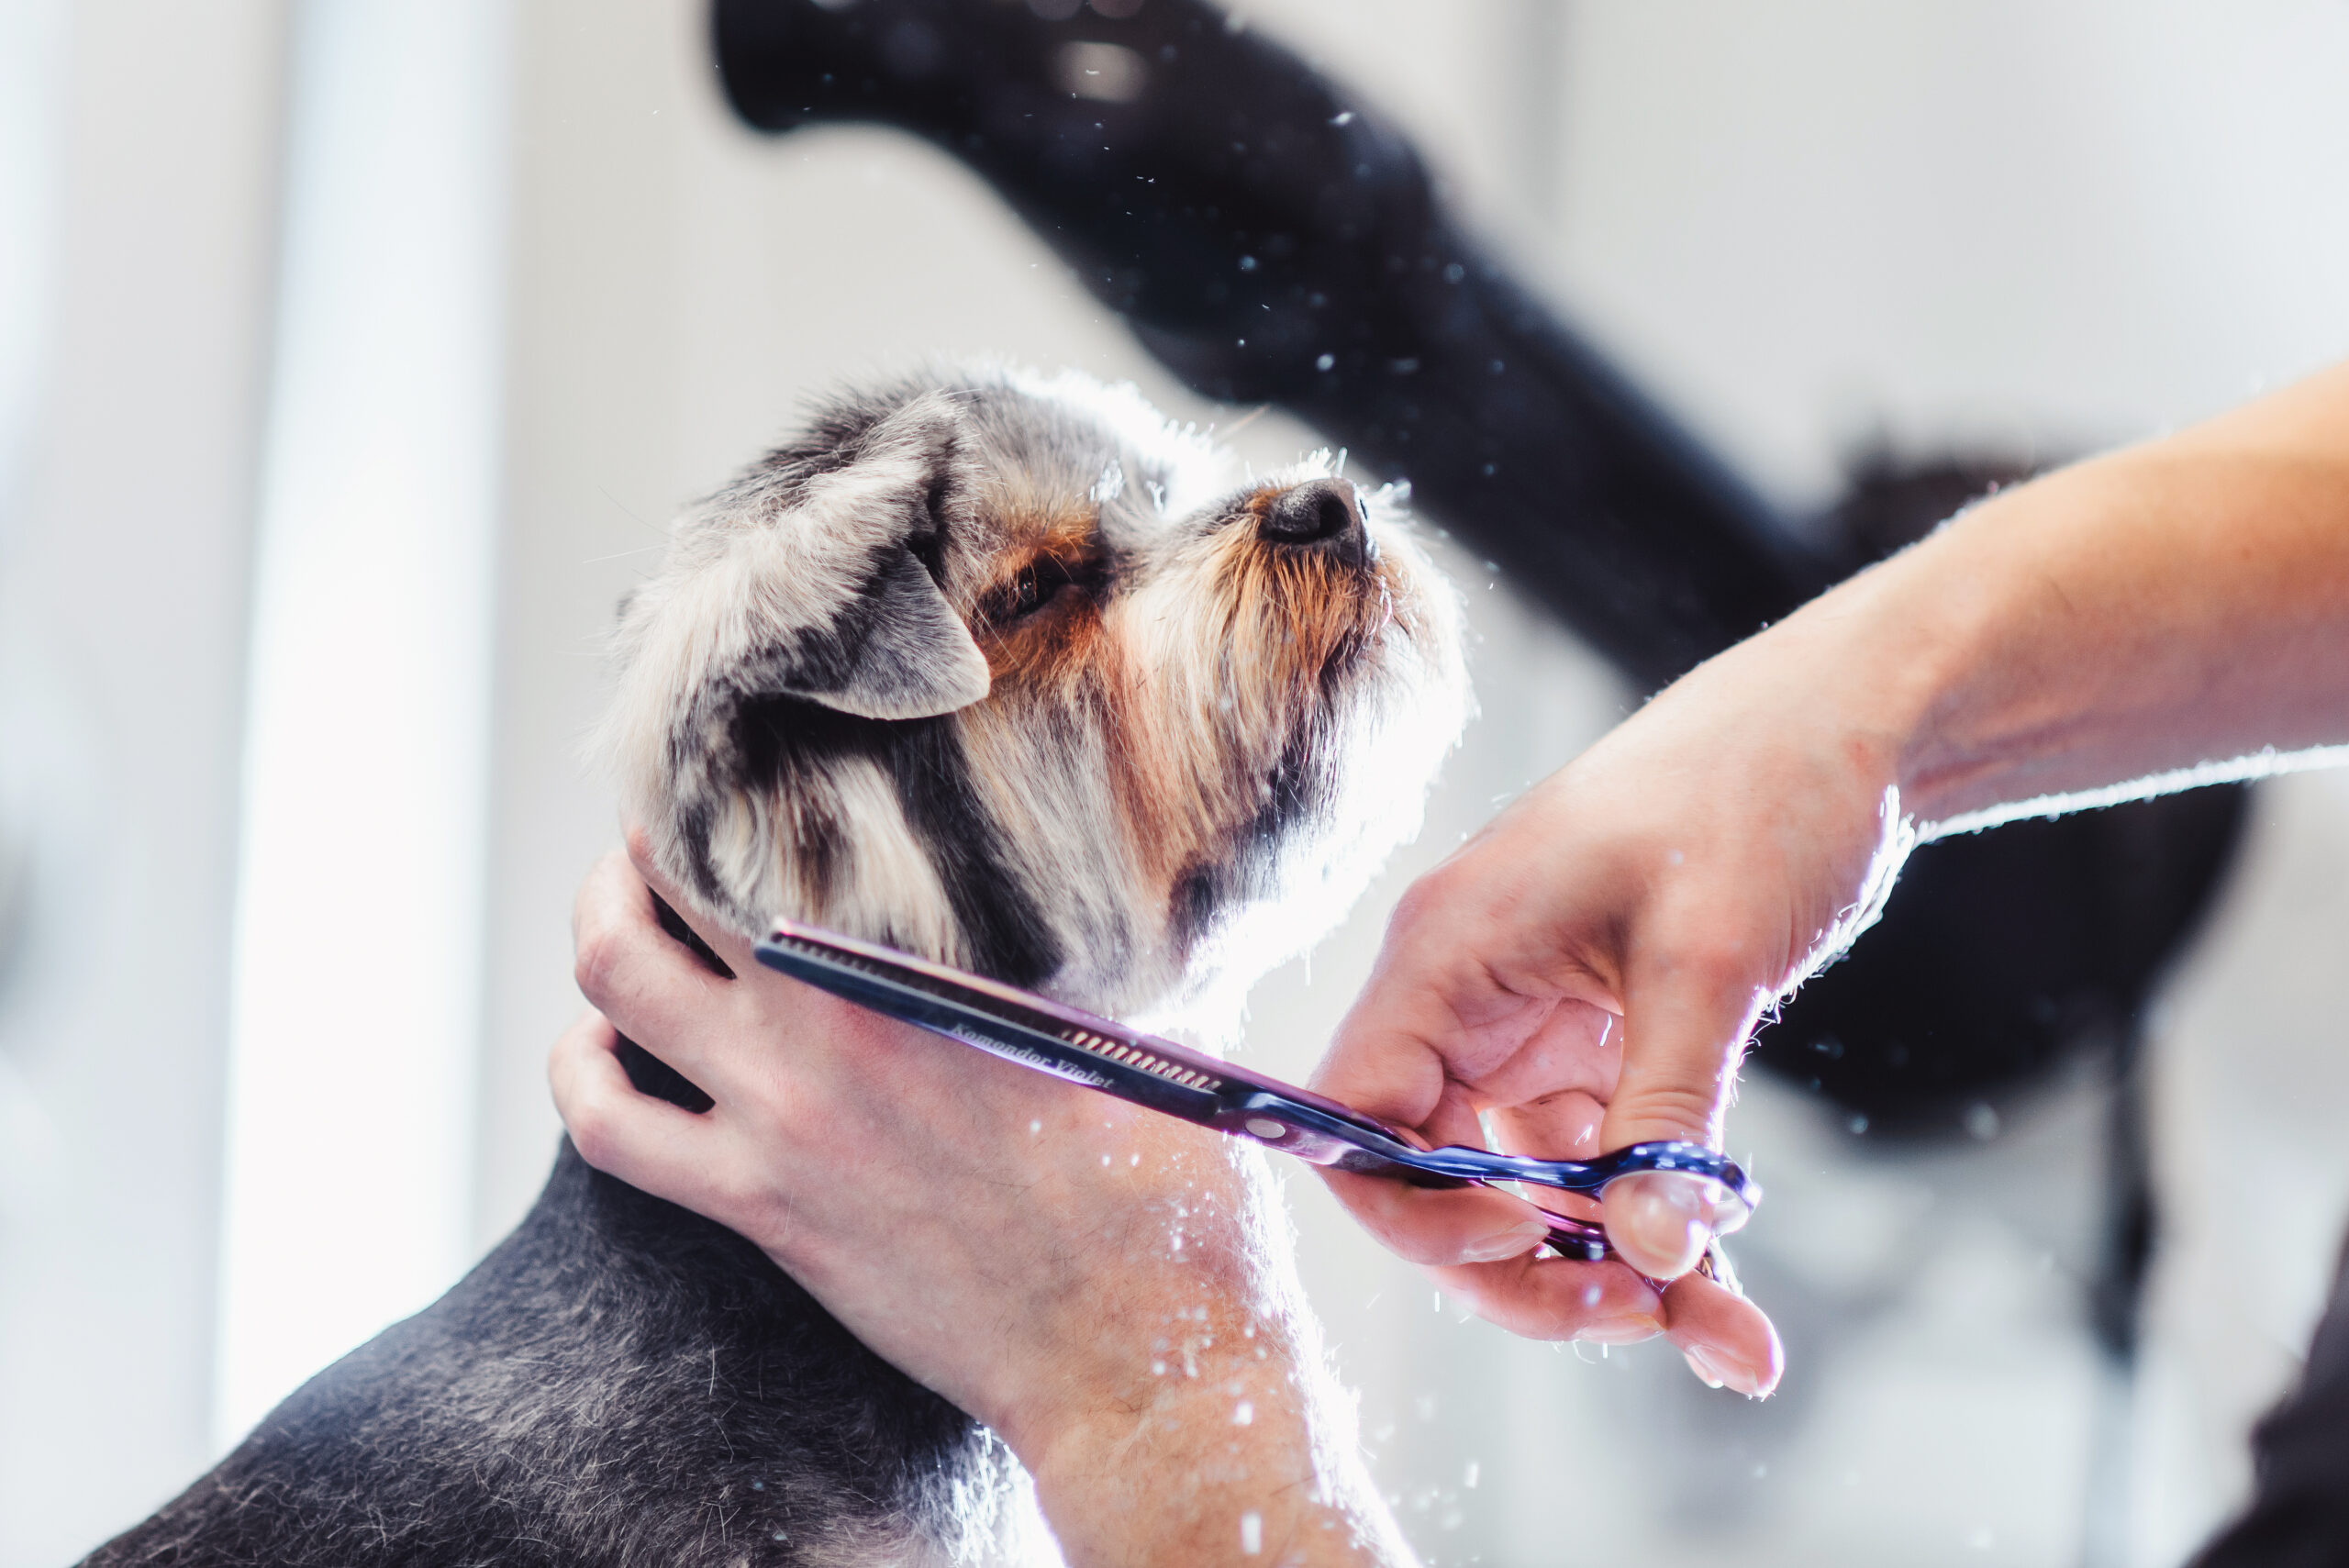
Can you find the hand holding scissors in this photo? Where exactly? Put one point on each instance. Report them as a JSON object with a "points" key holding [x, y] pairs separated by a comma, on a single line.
{"points": [[1162, 1075]]}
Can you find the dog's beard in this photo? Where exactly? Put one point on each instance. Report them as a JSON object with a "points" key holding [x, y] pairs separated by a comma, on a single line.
{"points": [[1290, 713]]}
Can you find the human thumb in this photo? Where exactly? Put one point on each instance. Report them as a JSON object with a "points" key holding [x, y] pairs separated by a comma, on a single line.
{"points": [[1686, 1025]]}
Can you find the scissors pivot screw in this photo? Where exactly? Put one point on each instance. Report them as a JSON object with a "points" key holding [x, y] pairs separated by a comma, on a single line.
{"points": [[1265, 1127]]}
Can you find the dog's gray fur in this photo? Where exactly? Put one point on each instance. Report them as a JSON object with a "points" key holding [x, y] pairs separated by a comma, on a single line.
{"points": [[998, 669]]}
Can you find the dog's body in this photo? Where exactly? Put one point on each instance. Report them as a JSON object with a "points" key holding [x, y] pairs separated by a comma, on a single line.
{"points": [[1001, 670], [619, 1381]]}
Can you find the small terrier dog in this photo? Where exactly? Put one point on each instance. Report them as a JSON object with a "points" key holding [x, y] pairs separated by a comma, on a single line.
{"points": [[999, 669]]}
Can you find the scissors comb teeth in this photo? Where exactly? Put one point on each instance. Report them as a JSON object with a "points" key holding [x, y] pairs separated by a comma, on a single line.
{"points": [[1101, 1053], [1033, 1030], [1127, 1055]]}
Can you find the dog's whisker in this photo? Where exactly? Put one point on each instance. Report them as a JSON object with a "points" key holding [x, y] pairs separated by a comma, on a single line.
{"points": [[630, 516], [1246, 420]]}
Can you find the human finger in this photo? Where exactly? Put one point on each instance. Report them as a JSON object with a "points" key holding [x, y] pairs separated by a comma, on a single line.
{"points": [[648, 985], [1434, 1225], [1385, 1063], [1390, 1072], [1559, 1298], [649, 1143], [1727, 1339], [736, 952], [1440, 1225], [1563, 1126], [1686, 1021]]}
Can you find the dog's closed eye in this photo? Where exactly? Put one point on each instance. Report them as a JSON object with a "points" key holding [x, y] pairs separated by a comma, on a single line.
{"points": [[1034, 587]]}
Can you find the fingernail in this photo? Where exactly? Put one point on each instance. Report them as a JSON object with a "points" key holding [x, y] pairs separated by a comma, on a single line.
{"points": [[1720, 1370], [1628, 1329], [1659, 1221], [1513, 1242]]}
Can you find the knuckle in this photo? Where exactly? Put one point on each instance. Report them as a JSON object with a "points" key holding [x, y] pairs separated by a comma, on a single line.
{"points": [[1709, 957], [1431, 901], [592, 1129], [737, 1200], [1673, 1109], [1688, 1103], [1419, 900], [596, 960], [1718, 972], [639, 852]]}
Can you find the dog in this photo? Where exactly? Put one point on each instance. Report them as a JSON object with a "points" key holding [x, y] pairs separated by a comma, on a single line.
{"points": [[997, 668]]}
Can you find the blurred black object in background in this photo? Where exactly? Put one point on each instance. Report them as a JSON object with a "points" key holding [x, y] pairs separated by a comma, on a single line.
{"points": [[1270, 238], [1273, 241]]}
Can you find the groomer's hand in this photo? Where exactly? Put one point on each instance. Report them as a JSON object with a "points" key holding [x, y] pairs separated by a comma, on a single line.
{"points": [[1584, 975], [1099, 1284]]}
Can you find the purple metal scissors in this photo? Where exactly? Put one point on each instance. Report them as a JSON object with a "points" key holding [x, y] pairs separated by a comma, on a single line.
{"points": [[1161, 1075]]}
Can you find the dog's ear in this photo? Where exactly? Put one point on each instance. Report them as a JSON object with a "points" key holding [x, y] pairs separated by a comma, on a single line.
{"points": [[792, 583], [853, 618], [900, 651]]}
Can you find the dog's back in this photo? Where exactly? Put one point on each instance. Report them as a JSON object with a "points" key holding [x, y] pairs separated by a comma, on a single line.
{"points": [[619, 1381], [1000, 670]]}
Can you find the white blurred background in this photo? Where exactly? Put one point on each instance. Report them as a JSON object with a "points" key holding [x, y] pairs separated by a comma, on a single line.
{"points": [[352, 351]]}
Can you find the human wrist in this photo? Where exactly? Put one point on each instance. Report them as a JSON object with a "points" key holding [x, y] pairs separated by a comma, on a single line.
{"points": [[1998, 626], [1200, 1424], [1906, 648], [1239, 1452], [1896, 667], [1852, 679]]}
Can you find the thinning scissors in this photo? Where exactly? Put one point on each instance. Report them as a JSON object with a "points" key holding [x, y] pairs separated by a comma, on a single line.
{"points": [[1161, 1075]]}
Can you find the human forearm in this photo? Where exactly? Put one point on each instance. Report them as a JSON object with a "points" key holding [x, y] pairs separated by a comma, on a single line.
{"points": [[2179, 605]]}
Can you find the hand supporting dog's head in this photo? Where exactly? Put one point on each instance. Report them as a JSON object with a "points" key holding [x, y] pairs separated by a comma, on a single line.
{"points": [[1008, 672]]}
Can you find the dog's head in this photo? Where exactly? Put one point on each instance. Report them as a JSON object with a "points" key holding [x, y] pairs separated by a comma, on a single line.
{"points": [[1008, 672]]}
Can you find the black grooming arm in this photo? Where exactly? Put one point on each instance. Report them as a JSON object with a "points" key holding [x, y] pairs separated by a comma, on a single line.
{"points": [[1271, 238]]}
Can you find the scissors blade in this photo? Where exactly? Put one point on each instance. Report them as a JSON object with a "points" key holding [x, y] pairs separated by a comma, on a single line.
{"points": [[1019, 1026]]}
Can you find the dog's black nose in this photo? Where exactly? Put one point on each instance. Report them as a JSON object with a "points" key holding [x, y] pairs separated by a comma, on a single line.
{"points": [[1309, 513]]}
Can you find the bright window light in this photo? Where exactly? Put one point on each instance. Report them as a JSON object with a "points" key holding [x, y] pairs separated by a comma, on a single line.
{"points": [[357, 989]]}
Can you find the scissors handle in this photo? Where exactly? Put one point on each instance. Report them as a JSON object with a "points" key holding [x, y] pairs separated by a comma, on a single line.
{"points": [[1286, 1119], [1349, 1141]]}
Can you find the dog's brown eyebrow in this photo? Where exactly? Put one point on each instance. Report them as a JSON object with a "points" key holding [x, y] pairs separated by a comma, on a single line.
{"points": [[1063, 531]]}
